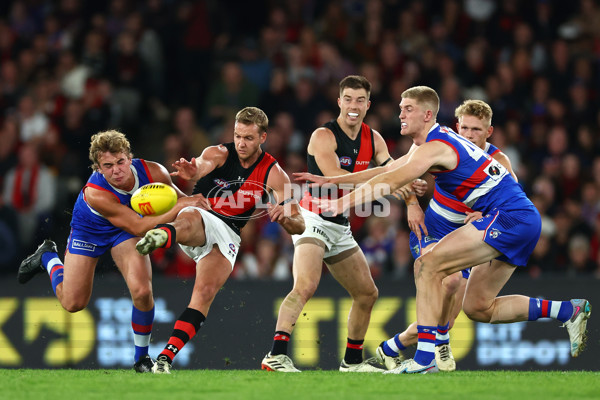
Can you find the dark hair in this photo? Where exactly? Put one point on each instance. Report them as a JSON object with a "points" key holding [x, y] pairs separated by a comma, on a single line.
{"points": [[355, 82]]}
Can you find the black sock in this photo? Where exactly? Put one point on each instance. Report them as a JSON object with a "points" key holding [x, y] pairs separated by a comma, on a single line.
{"points": [[280, 343], [186, 327], [354, 351], [170, 229]]}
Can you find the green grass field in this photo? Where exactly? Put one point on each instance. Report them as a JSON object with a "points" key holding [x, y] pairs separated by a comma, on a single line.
{"points": [[312, 385]]}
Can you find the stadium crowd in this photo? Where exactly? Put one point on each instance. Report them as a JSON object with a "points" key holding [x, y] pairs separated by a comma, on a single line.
{"points": [[171, 75]]}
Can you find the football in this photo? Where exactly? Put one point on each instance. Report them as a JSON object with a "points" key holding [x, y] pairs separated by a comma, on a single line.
{"points": [[153, 199]]}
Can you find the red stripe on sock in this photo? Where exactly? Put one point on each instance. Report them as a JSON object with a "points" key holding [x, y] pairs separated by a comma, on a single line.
{"points": [[279, 336], [426, 336], [55, 268], [545, 308], [186, 327], [175, 341], [168, 353], [141, 328], [167, 245], [354, 346]]}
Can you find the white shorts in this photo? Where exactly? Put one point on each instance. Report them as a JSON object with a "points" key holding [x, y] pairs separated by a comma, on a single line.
{"points": [[337, 238], [216, 232]]}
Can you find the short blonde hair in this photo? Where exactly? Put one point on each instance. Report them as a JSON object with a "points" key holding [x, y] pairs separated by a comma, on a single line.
{"points": [[425, 96], [112, 141], [475, 108], [253, 116]]}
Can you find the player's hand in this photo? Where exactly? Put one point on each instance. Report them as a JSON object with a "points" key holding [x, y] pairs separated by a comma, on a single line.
{"points": [[277, 212], [316, 180], [419, 186], [197, 200], [473, 216], [402, 193], [416, 220], [328, 207], [185, 169]]}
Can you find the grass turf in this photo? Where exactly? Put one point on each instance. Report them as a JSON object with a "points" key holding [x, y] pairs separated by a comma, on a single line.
{"points": [[311, 385]]}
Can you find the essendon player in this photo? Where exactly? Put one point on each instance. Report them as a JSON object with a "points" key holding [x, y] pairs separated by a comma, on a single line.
{"points": [[235, 178], [343, 145]]}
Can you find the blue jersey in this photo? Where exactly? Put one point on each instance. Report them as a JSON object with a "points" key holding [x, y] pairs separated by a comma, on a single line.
{"points": [[478, 181], [443, 216], [511, 223], [91, 233]]}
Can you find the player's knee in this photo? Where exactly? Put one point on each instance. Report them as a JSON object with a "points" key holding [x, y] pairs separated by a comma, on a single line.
{"points": [[304, 290], [142, 294], [452, 283], [368, 297], [73, 305], [476, 311]]}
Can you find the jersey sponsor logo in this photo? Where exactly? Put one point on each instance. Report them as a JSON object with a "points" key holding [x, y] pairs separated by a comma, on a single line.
{"points": [[362, 162], [81, 245], [345, 161], [494, 233], [221, 183], [428, 239]]}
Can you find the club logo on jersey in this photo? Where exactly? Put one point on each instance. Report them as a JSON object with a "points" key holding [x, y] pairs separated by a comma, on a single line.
{"points": [[494, 233], [493, 170], [345, 161], [221, 183]]}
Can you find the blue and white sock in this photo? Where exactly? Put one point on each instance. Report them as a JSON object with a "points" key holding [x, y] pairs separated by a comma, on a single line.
{"points": [[392, 347], [55, 268], [560, 310], [141, 322], [442, 336], [426, 346]]}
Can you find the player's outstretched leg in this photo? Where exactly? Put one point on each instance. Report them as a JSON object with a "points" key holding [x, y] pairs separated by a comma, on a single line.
{"points": [[32, 265], [576, 325], [278, 363]]}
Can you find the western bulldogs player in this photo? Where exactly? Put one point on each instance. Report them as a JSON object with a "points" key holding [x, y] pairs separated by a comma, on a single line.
{"points": [[103, 220], [505, 235]]}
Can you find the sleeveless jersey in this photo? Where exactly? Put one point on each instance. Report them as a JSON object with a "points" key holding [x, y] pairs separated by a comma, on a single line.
{"points": [[235, 191], [478, 182], [354, 156], [85, 217]]}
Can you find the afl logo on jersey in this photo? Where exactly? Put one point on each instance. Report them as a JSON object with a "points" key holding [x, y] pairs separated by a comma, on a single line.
{"points": [[493, 170], [345, 161], [221, 183]]}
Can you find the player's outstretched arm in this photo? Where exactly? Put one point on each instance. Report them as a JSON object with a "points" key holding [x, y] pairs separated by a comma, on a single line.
{"points": [[286, 211], [198, 167]]}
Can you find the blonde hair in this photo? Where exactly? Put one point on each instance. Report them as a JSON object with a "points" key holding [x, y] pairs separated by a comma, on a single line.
{"points": [[425, 96], [112, 141], [253, 115], [475, 108]]}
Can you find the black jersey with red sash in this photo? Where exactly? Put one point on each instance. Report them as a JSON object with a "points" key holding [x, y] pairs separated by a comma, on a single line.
{"points": [[235, 191], [354, 155]]}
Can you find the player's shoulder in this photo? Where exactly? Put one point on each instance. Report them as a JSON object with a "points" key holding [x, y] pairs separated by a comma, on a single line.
{"points": [[322, 137]]}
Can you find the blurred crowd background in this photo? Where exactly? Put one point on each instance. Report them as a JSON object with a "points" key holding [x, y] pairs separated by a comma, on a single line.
{"points": [[172, 74]]}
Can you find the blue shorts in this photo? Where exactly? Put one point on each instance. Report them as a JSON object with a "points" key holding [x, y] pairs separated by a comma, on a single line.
{"points": [[95, 244], [437, 227], [514, 233]]}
